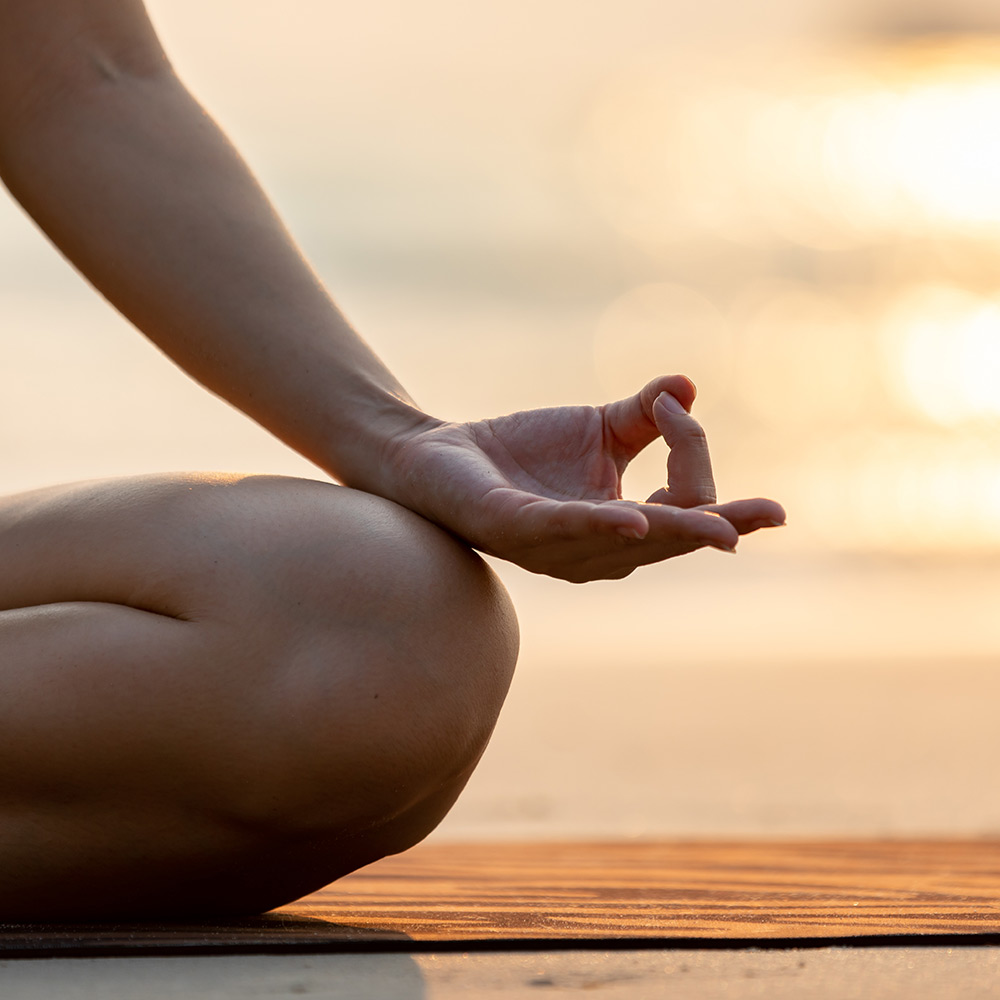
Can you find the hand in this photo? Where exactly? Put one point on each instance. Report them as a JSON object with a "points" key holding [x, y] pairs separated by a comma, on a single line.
{"points": [[542, 488]]}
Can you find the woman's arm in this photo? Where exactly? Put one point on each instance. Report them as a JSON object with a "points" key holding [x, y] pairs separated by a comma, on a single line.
{"points": [[137, 186], [106, 149]]}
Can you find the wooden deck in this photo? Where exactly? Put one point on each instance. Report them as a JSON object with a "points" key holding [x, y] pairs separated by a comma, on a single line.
{"points": [[602, 895]]}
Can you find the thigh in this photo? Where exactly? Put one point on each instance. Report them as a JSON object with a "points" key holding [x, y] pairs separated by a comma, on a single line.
{"points": [[219, 692], [188, 546]]}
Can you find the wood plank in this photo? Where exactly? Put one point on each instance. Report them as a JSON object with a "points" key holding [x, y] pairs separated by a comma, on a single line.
{"points": [[599, 894]]}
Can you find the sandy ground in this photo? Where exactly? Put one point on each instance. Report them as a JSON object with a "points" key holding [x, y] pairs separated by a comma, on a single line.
{"points": [[829, 974]]}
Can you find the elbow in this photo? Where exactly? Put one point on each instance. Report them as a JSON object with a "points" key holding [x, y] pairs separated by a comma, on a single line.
{"points": [[53, 78]]}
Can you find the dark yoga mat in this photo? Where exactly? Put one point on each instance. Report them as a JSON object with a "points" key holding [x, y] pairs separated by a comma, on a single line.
{"points": [[625, 894]]}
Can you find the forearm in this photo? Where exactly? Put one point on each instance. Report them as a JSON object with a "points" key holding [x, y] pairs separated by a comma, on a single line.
{"points": [[143, 193]]}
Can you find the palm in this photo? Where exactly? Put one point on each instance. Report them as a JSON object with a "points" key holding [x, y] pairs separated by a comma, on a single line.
{"points": [[559, 454]]}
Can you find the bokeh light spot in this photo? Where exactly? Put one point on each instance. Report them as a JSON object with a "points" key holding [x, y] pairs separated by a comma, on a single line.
{"points": [[941, 350]]}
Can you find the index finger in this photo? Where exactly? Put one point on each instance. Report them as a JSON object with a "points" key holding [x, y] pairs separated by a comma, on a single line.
{"points": [[690, 482]]}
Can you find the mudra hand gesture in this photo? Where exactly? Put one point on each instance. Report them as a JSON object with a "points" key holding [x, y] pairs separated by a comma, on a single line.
{"points": [[542, 488]]}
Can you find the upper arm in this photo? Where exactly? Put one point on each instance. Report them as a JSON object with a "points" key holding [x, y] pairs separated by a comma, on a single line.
{"points": [[49, 48]]}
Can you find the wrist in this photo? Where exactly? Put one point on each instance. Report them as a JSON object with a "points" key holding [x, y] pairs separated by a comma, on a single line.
{"points": [[370, 433]]}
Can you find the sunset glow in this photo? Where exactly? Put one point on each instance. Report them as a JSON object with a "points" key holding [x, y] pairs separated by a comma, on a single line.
{"points": [[884, 143], [942, 355], [905, 493]]}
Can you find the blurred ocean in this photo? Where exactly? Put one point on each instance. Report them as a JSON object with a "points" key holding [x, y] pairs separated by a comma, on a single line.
{"points": [[537, 203]]}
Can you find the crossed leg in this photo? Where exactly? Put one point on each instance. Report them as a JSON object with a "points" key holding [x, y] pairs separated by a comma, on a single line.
{"points": [[218, 693]]}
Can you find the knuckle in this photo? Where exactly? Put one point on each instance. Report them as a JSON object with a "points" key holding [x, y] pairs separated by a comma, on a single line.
{"points": [[694, 434], [687, 433], [705, 489]]}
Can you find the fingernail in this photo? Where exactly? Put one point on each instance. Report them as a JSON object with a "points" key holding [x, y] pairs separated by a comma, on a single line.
{"points": [[731, 549], [627, 532], [776, 524], [670, 402]]}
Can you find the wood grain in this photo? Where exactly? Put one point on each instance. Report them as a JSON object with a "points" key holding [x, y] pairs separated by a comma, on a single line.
{"points": [[599, 894]]}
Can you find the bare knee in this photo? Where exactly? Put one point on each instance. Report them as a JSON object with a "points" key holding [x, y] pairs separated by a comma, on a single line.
{"points": [[392, 648], [283, 680]]}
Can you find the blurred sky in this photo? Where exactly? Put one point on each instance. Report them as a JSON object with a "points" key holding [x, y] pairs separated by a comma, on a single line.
{"points": [[522, 204]]}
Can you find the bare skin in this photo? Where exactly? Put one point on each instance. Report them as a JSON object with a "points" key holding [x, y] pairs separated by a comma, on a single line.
{"points": [[219, 693], [222, 723]]}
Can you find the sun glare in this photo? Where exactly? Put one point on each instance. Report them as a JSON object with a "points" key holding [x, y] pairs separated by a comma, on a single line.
{"points": [[884, 142], [927, 148], [945, 148], [941, 351], [919, 493]]}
